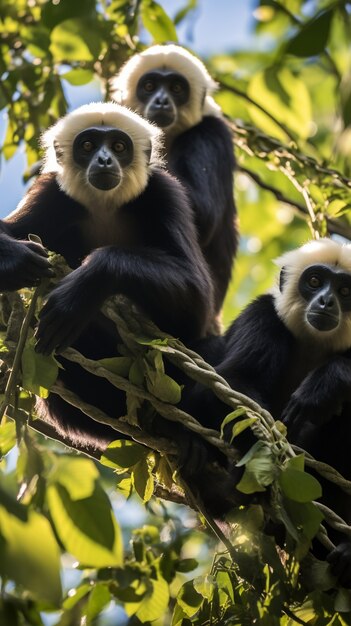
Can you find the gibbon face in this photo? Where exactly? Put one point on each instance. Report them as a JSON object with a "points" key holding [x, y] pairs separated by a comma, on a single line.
{"points": [[102, 154], [314, 295]]}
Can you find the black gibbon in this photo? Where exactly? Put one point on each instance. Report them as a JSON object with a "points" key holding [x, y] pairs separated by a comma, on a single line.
{"points": [[171, 87], [125, 226], [290, 351]]}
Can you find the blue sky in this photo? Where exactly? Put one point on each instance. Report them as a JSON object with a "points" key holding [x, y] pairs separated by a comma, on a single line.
{"points": [[216, 26]]}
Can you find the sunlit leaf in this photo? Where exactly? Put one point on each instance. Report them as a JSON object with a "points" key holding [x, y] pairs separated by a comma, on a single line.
{"points": [[233, 415], [76, 595], [119, 365], [78, 76], [155, 603], [77, 475], [143, 480], [93, 539], [39, 372], [123, 454], [98, 599], [205, 586], [157, 22], [7, 437], [29, 554], [189, 599], [75, 40], [285, 97]]}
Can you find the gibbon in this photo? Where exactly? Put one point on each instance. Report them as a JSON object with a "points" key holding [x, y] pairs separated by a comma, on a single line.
{"points": [[125, 227], [172, 88]]}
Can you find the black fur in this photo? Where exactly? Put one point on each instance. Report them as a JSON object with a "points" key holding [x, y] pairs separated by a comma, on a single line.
{"points": [[306, 388], [202, 158], [150, 254]]}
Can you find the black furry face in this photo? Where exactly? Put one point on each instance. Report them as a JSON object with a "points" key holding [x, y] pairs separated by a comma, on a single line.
{"points": [[327, 292], [162, 92], [103, 152]]}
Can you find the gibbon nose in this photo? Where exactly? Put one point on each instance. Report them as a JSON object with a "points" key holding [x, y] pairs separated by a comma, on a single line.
{"points": [[327, 302], [104, 160], [162, 101]]}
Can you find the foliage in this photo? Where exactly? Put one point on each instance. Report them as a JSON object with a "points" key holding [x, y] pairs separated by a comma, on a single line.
{"points": [[289, 103]]}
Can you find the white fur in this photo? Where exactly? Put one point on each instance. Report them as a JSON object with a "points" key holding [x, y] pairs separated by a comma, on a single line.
{"points": [[72, 179], [180, 60], [290, 306]]}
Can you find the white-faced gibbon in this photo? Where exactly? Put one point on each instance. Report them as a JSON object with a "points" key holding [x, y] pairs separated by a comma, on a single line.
{"points": [[290, 350], [169, 86], [125, 226]]}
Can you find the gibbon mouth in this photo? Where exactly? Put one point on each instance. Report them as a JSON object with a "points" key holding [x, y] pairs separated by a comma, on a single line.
{"points": [[161, 118], [104, 180], [323, 321]]}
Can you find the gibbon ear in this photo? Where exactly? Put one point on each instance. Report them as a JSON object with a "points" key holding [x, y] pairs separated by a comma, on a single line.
{"points": [[282, 278], [203, 98], [148, 152], [58, 152]]}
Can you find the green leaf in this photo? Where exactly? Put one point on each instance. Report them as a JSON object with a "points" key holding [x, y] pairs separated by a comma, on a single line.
{"points": [[143, 480], [78, 76], [164, 387], [7, 437], [299, 486], [124, 485], [259, 472], [182, 13], [155, 603], [119, 365], [75, 40], [29, 554], [178, 616], [283, 95], [205, 586], [157, 22], [305, 516], [137, 372], [186, 565], [76, 595], [233, 415], [189, 599], [77, 475], [254, 450], [155, 343], [242, 425], [313, 36], [296, 462], [87, 528], [52, 14], [98, 600], [249, 483], [122, 454], [37, 39], [39, 372]]}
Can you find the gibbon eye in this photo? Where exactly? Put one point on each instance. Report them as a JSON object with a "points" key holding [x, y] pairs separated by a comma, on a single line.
{"points": [[314, 282], [149, 86], [176, 87], [87, 146], [344, 291], [119, 146]]}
